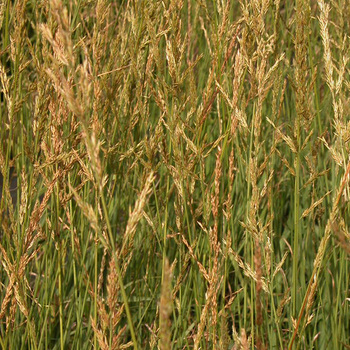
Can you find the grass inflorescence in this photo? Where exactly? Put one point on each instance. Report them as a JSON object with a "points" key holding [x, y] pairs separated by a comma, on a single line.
{"points": [[174, 174]]}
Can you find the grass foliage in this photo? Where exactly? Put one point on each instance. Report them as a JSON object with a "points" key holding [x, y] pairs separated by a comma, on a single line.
{"points": [[182, 174]]}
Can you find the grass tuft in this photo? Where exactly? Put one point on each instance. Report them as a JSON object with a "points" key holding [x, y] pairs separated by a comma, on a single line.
{"points": [[174, 174]]}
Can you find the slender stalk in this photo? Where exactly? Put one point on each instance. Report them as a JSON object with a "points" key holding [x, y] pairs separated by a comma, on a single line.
{"points": [[296, 226], [120, 278]]}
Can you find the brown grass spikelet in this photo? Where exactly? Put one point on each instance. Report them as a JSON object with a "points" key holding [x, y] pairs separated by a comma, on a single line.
{"points": [[201, 268], [224, 334], [311, 298], [343, 235], [109, 312], [301, 59], [215, 199], [285, 300], [112, 296], [324, 22], [6, 91], [102, 339], [215, 244], [87, 210], [314, 205], [165, 309], [136, 214], [2, 10], [63, 43], [14, 290], [203, 318], [244, 340]]}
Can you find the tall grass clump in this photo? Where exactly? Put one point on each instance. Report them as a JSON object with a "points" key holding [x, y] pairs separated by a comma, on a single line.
{"points": [[174, 174]]}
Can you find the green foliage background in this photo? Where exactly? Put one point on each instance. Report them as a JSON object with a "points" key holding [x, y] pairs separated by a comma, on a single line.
{"points": [[182, 174]]}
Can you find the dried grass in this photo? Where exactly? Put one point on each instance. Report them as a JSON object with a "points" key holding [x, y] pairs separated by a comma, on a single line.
{"points": [[181, 174]]}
